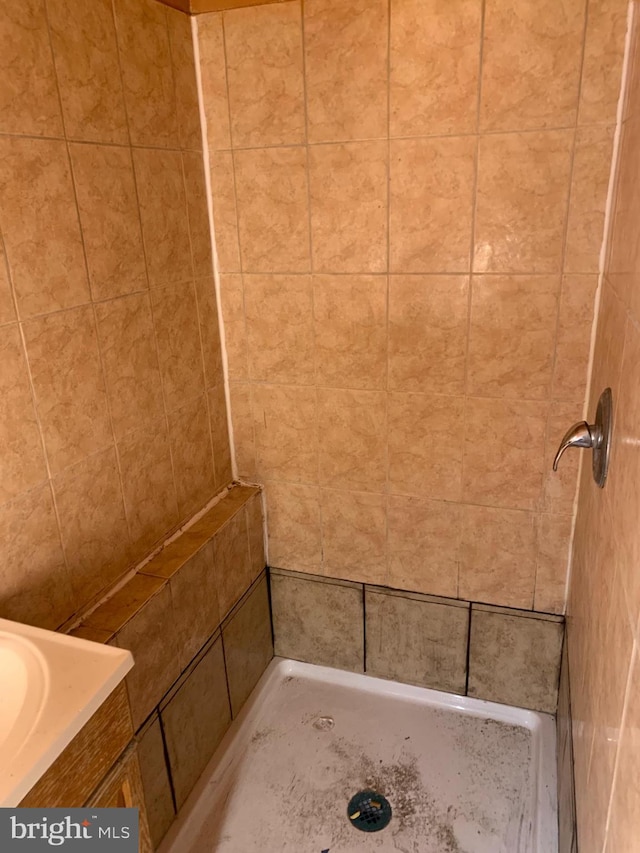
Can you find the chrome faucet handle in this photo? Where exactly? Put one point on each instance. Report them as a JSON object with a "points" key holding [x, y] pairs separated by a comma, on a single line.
{"points": [[597, 436], [580, 435]]}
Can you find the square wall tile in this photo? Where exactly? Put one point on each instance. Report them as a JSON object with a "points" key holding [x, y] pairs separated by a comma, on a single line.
{"points": [[417, 639], [191, 453], [155, 781], [554, 541], [235, 325], [255, 529], [293, 523], [195, 721], [209, 330], [285, 421], [232, 562], [602, 64], [225, 215], [184, 75], [248, 644], [514, 658], [220, 435], [199, 230], [577, 303], [243, 428], [213, 69], [354, 526], [194, 598]]}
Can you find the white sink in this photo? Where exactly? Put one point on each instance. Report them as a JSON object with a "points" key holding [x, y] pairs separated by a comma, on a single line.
{"points": [[50, 685]]}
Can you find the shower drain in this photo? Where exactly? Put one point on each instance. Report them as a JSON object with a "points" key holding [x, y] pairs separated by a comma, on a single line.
{"points": [[369, 811]]}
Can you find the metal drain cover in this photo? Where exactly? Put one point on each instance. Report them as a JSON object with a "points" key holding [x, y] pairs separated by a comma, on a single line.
{"points": [[369, 811]]}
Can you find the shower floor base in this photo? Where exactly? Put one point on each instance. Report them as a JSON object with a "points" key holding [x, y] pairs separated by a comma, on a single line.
{"points": [[461, 775]]}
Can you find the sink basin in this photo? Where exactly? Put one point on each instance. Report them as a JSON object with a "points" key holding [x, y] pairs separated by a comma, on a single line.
{"points": [[50, 686]]}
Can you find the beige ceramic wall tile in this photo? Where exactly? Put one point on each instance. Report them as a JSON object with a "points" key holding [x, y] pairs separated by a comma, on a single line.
{"points": [[428, 333], [243, 430], [232, 562], [350, 321], [220, 435], [602, 68], [417, 640], [225, 219], [318, 622], [155, 781], [184, 77], [293, 523], [175, 318], [33, 578], [194, 598], [431, 204], [521, 205], [504, 452], [354, 528], [425, 451], [609, 346], [7, 308], [424, 545], [195, 721], [512, 335], [254, 512], [248, 645], [124, 604], [264, 70], [285, 421], [589, 184], [147, 77], [29, 99], [71, 397], [531, 64], [149, 490], [199, 232], [213, 69], [235, 326], [163, 212], [190, 437], [346, 57], [40, 226], [279, 320], [110, 221], [498, 556], [352, 428], [209, 330], [560, 486], [271, 187], [435, 50], [514, 658], [84, 44], [23, 464], [574, 336], [128, 347], [554, 538], [348, 193]]}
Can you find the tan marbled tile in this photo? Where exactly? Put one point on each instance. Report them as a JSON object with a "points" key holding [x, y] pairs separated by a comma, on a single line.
{"points": [[209, 330], [40, 226], [23, 464], [554, 538], [248, 644], [294, 527], [184, 76], [148, 485], [498, 556], [232, 562], [431, 204], [94, 635], [504, 452], [33, 574], [220, 434], [107, 201], [515, 658], [7, 308], [346, 57], [194, 599], [417, 639], [256, 531], [71, 398], [424, 545], [271, 189], [350, 323], [352, 429], [609, 346], [155, 780], [190, 437], [521, 205], [435, 52], [243, 430], [318, 621], [116, 611], [173, 555], [213, 70], [175, 318], [589, 185], [93, 525], [163, 213], [428, 333], [29, 98], [531, 64], [84, 44], [235, 325], [285, 424], [279, 322], [264, 71], [354, 535], [147, 75], [199, 232], [128, 347], [348, 194], [577, 302], [512, 335], [560, 486], [602, 64], [425, 451], [225, 217]]}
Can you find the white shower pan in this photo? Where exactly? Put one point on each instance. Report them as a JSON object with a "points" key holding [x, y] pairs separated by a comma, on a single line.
{"points": [[461, 775]]}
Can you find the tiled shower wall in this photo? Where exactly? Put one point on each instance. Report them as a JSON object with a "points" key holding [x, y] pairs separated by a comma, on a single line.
{"points": [[408, 201], [604, 599], [112, 416]]}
